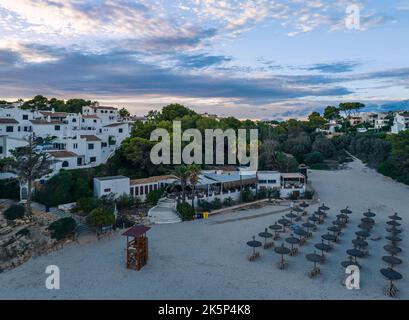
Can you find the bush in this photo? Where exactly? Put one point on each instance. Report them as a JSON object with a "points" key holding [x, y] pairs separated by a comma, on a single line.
{"points": [[262, 193], [124, 202], [101, 217], [9, 189], [205, 205], [154, 196], [217, 204], [88, 204], [123, 221], [247, 195], [275, 194], [62, 228], [15, 211], [313, 158], [186, 211], [228, 202]]}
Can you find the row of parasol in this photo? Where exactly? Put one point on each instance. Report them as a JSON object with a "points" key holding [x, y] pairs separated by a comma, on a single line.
{"points": [[394, 231]]}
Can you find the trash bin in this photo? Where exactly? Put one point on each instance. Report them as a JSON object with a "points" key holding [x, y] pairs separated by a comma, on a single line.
{"points": [[199, 216], [205, 215]]}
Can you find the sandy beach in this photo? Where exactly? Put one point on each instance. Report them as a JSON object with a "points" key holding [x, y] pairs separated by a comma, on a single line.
{"points": [[207, 259]]}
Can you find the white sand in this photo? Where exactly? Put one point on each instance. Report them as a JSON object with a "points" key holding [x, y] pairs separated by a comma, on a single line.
{"points": [[207, 259]]}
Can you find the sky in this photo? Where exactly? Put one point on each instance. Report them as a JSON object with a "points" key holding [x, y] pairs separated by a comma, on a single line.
{"points": [[257, 59]]}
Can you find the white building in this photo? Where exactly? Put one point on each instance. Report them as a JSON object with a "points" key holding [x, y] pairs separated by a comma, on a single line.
{"points": [[400, 122], [117, 185]]}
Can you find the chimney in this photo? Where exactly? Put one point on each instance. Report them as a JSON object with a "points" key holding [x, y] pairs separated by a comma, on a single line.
{"points": [[52, 110]]}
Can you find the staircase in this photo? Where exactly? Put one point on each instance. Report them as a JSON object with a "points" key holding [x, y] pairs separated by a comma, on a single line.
{"points": [[164, 212]]}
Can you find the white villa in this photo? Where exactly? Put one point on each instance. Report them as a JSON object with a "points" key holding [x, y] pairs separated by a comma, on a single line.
{"points": [[401, 122], [73, 140]]}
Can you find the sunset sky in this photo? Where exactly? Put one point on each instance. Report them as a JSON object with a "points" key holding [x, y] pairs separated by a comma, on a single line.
{"points": [[247, 58]]}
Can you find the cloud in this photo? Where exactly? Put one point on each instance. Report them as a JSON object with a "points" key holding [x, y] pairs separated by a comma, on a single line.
{"points": [[335, 67], [201, 61], [121, 73]]}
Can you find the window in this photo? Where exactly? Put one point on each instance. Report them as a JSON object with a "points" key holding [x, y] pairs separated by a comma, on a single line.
{"points": [[121, 130], [75, 146], [131, 191], [141, 190], [9, 129], [79, 161], [93, 159], [262, 181], [146, 190], [272, 181], [19, 128], [111, 112], [90, 146], [95, 121], [25, 129], [1, 150], [25, 116], [65, 164], [57, 128], [155, 187], [150, 188], [136, 191], [104, 144], [107, 190], [74, 120]]}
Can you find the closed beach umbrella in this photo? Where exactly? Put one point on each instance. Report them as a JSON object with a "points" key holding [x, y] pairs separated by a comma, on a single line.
{"points": [[395, 217], [276, 228], [391, 260], [315, 258], [369, 214], [393, 250]]}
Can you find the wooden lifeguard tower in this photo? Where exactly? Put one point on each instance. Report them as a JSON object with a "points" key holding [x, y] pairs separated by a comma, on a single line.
{"points": [[136, 247]]}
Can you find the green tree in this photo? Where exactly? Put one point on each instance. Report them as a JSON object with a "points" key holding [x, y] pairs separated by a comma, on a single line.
{"points": [[101, 217], [123, 113], [324, 146], [193, 173], [331, 113], [30, 165], [182, 172], [350, 108], [315, 120]]}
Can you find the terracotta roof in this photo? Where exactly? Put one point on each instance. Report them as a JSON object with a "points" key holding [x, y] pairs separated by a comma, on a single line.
{"points": [[63, 154], [46, 122], [292, 175], [114, 124], [90, 137], [8, 121], [136, 231], [153, 179]]}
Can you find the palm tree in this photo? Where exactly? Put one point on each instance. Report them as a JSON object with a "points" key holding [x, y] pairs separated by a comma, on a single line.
{"points": [[183, 173], [194, 171], [29, 165]]}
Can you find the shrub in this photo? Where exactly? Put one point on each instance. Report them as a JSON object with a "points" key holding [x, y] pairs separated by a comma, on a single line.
{"points": [[62, 228], [262, 193], [9, 189], [88, 204], [124, 202], [186, 211], [205, 205], [228, 202], [247, 195], [15, 211], [154, 196], [101, 217], [123, 221], [313, 158], [217, 204], [275, 194]]}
